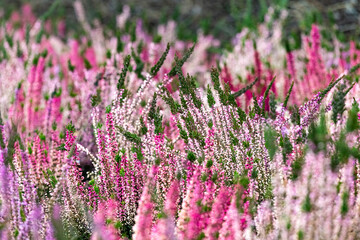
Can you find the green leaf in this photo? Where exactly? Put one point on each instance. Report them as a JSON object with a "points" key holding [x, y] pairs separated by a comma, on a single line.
{"points": [[306, 206], [70, 127], [352, 123], [191, 156], [270, 136], [132, 137], [210, 97], [121, 81], [181, 62], [97, 189], [266, 95], [155, 69], [209, 163], [288, 95], [344, 204], [243, 90], [122, 172], [96, 99]]}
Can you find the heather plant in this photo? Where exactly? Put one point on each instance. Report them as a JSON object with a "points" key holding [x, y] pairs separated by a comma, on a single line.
{"points": [[181, 143]]}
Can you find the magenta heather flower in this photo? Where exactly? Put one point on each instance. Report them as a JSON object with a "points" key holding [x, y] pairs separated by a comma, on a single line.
{"points": [[143, 219], [217, 214]]}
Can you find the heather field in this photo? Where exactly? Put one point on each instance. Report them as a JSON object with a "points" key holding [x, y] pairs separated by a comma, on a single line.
{"points": [[130, 132]]}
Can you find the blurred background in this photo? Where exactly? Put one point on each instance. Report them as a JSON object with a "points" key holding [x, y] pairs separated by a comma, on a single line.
{"points": [[220, 18]]}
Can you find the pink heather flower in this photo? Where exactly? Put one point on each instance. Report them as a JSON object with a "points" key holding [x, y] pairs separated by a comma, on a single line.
{"points": [[91, 57], [231, 227], [164, 229], [104, 220], [143, 219], [172, 198], [188, 224], [195, 224], [55, 110], [264, 220], [291, 67], [218, 211], [258, 68]]}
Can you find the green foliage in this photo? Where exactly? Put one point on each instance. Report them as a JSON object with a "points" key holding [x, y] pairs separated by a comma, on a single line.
{"points": [[55, 4], [306, 205], [70, 66], [2, 143], [344, 203], [266, 95], [59, 148], [155, 69], [272, 106], [16, 233], [331, 85], [132, 137], [96, 189], [318, 133], [256, 110], [215, 79], [44, 53], [108, 109], [270, 136], [338, 103], [244, 181], [191, 156], [288, 94], [143, 129], [296, 167], [96, 99], [354, 68], [122, 172], [295, 116], [343, 152], [108, 54], [139, 64], [175, 107], [286, 145], [181, 62], [234, 139], [152, 111], [119, 43], [226, 97], [99, 125], [187, 86], [184, 135], [300, 235], [242, 115], [22, 214], [352, 123], [209, 163], [201, 236], [158, 122], [70, 127], [121, 81], [87, 64], [56, 93]]}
